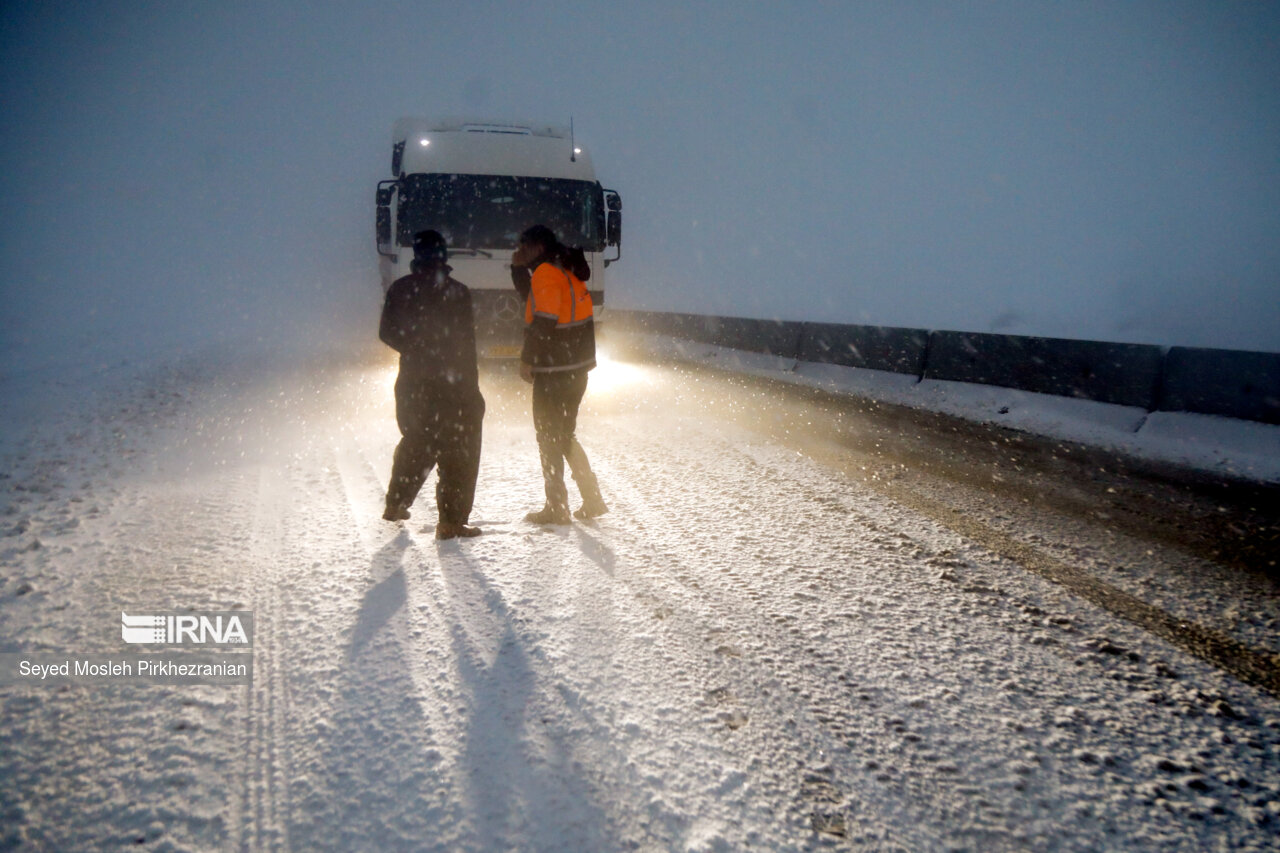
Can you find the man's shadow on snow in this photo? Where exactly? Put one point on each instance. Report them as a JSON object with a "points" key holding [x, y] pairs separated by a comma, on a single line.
{"points": [[517, 767], [383, 599], [377, 740], [595, 550]]}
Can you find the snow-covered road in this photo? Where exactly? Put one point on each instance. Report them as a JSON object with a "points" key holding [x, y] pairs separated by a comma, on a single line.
{"points": [[784, 636]]}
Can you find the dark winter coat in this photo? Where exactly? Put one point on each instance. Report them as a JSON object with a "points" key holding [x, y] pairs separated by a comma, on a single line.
{"points": [[427, 318]]}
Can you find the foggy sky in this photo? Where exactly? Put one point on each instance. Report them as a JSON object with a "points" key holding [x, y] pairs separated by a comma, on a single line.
{"points": [[191, 171]]}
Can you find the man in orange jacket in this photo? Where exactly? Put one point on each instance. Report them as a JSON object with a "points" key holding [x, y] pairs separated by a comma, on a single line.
{"points": [[559, 350]]}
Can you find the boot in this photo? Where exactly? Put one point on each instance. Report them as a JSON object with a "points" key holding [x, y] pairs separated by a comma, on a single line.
{"points": [[592, 507], [449, 530], [550, 515], [588, 486], [396, 512]]}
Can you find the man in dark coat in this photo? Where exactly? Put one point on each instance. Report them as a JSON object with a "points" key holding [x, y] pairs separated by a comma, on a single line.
{"points": [[427, 319]]}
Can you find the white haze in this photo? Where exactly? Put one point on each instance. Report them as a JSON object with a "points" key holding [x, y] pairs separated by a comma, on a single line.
{"points": [[178, 173]]}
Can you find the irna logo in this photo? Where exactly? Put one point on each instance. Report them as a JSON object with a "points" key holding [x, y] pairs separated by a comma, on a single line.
{"points": [[228, 628]]}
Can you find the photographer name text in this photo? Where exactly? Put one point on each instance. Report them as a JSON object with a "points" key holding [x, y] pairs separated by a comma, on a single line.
{"points": [[185, 668]]}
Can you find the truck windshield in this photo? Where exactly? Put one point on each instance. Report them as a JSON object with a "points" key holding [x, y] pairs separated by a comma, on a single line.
{"points": [[490, 211]]}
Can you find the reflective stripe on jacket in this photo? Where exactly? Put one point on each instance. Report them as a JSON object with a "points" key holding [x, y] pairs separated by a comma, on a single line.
{"points": [[559, 322]]}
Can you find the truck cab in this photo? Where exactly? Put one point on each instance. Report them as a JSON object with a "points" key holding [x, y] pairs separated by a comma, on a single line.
{"points": [[480, 184]]}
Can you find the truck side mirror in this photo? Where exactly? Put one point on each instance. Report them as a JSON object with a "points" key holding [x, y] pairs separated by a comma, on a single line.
{"points": [[613, 223], [613, 228], [613, 220], [382, 220], [383, 226]]}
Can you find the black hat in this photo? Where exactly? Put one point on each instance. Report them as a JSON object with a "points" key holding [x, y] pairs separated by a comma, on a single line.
{"points": [[540, 235], [429, 247]]}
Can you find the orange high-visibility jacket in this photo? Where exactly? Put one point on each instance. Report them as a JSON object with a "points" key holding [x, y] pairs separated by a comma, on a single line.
{"points": [[559, 322]]}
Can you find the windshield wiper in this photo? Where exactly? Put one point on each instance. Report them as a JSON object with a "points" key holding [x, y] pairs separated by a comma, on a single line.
{"points": [[471, 252]]}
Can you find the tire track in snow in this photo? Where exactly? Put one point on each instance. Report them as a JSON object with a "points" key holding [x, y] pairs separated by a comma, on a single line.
{"points": [[267, 808], [1258, 667]]}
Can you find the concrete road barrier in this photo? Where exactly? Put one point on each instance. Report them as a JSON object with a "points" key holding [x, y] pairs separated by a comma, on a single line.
{"points": [[774, 337], [1126, 374], [870, 347], [652, 322], [1222, 382], [1207, 381]]}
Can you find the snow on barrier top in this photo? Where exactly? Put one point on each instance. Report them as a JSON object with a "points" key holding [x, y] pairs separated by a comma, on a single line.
{"points": [[1231, 383]]}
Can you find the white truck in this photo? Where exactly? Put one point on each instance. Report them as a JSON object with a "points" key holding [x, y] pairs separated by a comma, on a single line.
{"points": [[480, 184]]}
